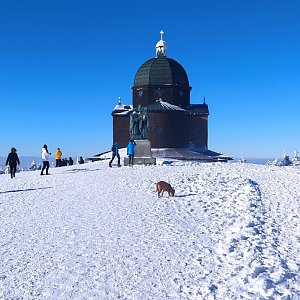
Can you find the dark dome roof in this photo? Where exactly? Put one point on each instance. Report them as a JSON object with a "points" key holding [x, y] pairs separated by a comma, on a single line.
{"points": [[159, 71]]}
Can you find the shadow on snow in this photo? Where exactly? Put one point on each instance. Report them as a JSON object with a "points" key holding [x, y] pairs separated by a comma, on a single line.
{"points": [[25, 190]]}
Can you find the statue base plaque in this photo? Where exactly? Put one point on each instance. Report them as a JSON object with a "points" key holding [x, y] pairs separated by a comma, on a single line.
{"points": [[142, 154]]}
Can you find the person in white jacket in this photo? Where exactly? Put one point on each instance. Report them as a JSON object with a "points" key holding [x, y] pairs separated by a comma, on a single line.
{"points": [[45, 158]]}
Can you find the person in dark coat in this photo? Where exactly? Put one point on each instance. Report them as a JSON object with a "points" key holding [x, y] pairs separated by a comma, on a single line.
{"points": [[12, 161], [115, 153], [70, 161], [130, 151]]}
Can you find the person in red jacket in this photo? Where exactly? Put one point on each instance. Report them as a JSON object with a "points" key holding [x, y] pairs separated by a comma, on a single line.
{"points": [[12, 160]]}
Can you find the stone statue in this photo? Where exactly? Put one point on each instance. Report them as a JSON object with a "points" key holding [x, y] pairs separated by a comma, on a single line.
{"points": [[139, 123]]}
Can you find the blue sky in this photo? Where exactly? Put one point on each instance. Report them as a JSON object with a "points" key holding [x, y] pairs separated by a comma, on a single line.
{"points": [[63, 65]]}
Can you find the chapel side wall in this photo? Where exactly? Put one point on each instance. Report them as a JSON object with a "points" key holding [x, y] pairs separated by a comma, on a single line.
{"points": [[198, 131], [169, 129]]}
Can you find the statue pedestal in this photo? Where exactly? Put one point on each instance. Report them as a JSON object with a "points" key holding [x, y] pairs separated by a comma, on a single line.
{"points": [[142, 154]]}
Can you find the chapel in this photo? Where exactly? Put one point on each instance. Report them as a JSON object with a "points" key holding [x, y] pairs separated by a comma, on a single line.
{"points": [[162, 86]]}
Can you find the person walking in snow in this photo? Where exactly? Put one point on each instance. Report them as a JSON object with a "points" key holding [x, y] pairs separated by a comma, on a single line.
{"points": [[12, 160], [45, 158], [130, 151], [58, 155], [115, 153]]}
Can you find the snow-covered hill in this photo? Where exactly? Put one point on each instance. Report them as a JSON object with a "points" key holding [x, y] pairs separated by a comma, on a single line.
{"points": [[93, 232]]}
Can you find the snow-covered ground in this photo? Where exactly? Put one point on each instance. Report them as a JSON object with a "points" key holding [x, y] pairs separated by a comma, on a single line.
{"points": [[93, 232]]}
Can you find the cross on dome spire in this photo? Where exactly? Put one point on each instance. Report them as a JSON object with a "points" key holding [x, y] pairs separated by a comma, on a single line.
{"points": [[161, 46], [161, 34]]}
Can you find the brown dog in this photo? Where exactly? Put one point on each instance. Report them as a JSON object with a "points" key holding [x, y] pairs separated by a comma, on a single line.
{"points": [[162, 187]]}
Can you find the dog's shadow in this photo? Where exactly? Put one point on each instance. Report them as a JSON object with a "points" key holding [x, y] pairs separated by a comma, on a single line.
{"points": [[186, 195]]}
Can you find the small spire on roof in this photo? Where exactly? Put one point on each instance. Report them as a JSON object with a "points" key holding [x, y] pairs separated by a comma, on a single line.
{"points": [[203, 100], [119, 102], [161, 46]]}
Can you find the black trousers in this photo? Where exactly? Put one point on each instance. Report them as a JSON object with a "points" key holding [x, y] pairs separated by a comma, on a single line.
{"points": [[13, 169], [58, 163], [113, 157], [46, 166], [131, 156]]}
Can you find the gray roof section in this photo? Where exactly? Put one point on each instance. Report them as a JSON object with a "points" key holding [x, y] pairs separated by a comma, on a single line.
{"points": [[160, 105], [189, 155], [181, 154]]}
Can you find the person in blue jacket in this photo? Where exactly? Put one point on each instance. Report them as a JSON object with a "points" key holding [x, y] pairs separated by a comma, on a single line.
{"points": [[115, 153], [130, 151]]}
